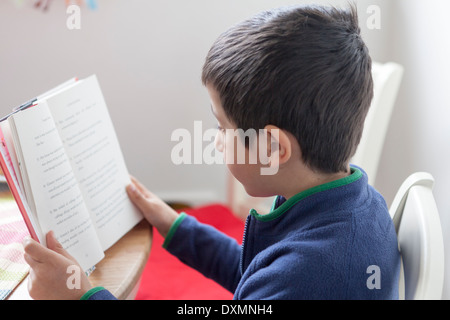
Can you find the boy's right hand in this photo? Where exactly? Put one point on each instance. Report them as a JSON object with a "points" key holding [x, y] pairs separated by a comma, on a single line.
{"points": [[155, 211]]}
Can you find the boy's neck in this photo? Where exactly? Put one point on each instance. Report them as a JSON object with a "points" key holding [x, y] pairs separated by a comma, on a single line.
{"points": [[309, 179]]}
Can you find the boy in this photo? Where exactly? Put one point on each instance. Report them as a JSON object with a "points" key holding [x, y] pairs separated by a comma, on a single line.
{"points": [[304, 76]]}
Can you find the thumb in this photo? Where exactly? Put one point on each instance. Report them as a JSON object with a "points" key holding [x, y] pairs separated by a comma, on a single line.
{"points": [[54, 245]]}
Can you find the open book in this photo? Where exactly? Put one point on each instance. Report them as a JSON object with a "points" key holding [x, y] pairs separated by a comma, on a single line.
{"points": [[64, 166]]}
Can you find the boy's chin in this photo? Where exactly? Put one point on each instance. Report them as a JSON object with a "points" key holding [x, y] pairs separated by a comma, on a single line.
{"points": [[258, 193]]}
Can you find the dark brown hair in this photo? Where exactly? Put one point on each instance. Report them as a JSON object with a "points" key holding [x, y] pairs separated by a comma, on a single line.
{"points": [[305, 70]]}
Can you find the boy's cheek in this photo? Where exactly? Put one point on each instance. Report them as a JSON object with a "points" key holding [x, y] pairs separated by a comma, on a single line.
{"points": [[248, 175], [234, 151], [239, 173]]}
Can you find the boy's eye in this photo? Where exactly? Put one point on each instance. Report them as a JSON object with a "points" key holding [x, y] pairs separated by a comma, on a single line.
{"points": [[220, 128]]}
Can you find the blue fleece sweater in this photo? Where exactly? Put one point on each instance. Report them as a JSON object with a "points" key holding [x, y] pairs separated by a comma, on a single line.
{"points": [[334, 241]]}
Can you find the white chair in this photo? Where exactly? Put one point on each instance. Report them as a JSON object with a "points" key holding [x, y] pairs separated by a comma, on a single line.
{"points": [[387, 78], [421, 244]]}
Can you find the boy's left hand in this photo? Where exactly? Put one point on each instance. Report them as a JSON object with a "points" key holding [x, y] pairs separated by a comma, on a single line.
{"points": [[50, 269]]}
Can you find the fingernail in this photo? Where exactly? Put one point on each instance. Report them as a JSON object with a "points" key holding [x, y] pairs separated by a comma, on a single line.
{"points": [[26, 240], [133, 188]]}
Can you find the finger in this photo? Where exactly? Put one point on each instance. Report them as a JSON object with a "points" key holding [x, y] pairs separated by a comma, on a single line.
{"points": [[31, 262], [136, 182], [133, 191], [39, 253], [55, 245], [34, 251], [141, 187], [138, 198]]}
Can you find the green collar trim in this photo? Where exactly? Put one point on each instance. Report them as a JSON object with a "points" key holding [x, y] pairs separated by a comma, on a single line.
{"points": [[355, 175]]}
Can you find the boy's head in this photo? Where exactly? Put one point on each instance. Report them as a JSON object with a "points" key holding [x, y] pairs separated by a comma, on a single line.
{"points": [[305, 70]]}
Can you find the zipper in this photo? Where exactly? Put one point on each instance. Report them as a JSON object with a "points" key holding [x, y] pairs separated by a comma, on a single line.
{"points": [[241, 262]]}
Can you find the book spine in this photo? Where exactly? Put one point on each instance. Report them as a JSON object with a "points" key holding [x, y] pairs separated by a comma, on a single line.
{"points": [[15, 190]]}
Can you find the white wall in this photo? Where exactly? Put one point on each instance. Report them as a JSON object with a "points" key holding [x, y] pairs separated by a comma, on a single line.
{"points": [[148, 57], [419, 134]]}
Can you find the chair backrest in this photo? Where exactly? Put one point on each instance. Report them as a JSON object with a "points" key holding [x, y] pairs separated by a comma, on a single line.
{"points": [[421, 244], [387, 78]]}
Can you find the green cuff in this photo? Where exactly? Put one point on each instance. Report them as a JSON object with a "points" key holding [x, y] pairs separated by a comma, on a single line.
{"points": [[91, 292], [173, 229]]}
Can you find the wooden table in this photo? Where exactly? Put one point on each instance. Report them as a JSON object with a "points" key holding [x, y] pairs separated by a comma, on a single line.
{"points": [[120, 270]]}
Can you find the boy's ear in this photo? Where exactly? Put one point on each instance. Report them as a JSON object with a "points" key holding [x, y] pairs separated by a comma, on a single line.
{"points": [[279, 145]]}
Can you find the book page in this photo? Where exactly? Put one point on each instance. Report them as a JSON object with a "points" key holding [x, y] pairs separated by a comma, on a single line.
{"points": [[9, 170], [57, 197], [87, 132]]}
